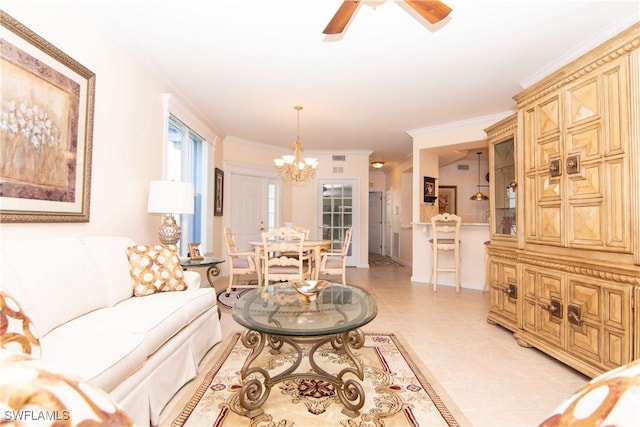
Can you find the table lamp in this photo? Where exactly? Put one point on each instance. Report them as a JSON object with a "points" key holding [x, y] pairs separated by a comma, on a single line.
{"points": [[168, 198]]}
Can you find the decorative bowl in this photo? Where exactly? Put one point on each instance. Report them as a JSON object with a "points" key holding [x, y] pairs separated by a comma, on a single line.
{"points": [[310, 289]]}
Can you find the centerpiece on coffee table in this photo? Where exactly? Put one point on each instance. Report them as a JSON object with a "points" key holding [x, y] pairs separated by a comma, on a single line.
{"points": [[310, 289]]}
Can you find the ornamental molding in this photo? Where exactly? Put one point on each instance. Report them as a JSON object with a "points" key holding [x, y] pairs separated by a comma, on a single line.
{"points": [[617, 47], [582, 270]]}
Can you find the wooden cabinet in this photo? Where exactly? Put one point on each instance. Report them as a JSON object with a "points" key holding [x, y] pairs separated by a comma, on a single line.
{"points": [[502, 183], [576, 162], [585, 322], [503, 289], [575, 257]]}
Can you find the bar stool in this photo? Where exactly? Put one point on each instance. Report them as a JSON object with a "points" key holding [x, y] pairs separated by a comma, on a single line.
{"points": [[445, 236]]}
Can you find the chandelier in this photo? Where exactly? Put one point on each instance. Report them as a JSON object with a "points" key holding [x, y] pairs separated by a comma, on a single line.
{"points": [[295, 167]]}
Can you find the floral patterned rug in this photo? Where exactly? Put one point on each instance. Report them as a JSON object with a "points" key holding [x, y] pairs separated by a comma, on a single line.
{"points": [[399, 391]]}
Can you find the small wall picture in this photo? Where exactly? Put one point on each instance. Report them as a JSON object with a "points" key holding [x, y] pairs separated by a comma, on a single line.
{"points": [[219, 195], [195, 251], [447, 199], [429, 189]]}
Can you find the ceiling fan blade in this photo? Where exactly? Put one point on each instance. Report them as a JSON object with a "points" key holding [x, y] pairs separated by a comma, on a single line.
{"points": [[342, 17], [432, 10]]}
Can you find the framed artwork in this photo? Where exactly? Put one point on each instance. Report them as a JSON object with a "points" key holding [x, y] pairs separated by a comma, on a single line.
{"points": [[219, 192], [195, 251], [447, 199], [46, 129], [429, 189]]}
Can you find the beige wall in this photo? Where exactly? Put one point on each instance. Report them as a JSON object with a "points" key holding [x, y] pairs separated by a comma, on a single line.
{"points": [[466, 182], [128, 132], [427, 145], [299, 201]]}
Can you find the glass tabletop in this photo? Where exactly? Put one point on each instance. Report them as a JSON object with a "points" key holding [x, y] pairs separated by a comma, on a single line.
{"points": [[280, 310], [206, 261]]}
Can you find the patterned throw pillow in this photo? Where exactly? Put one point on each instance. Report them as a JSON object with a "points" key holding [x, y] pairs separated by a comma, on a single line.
{"points": [[610, 399], [155, 269], [16, 329], [31, 393]]}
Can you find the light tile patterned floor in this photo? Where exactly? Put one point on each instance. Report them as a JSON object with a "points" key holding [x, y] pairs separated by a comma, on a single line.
{"points": [[494, 381]]}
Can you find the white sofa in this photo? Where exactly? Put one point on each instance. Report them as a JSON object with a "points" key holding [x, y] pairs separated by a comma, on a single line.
{"points": [[79, 294]]}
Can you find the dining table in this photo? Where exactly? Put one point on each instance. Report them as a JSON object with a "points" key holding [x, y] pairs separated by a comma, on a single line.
{"points": [[314, 246]]}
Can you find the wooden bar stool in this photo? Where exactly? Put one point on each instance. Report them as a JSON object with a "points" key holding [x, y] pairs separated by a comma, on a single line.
{"points": [[445, 236]]}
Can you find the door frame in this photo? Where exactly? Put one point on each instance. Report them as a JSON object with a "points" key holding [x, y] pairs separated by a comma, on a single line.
{"points": [[353, 259], [268, 174]]}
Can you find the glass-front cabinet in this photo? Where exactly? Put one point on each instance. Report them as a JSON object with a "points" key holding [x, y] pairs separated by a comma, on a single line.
{"points": [[503, 183]]}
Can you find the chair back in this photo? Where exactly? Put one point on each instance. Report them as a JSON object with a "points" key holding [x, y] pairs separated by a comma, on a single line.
{"points": [[240, 261], [303, 230], [445, 231], [335, 262], [347, 242], [284, 256]]}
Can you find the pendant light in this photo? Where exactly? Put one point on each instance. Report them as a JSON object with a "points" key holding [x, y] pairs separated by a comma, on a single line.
{"points": [[479, 195]]}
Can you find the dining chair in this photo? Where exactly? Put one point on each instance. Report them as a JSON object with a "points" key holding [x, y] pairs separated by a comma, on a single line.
{"points": [[241, 262], [306, 231], [283, 256], [334, 262], [445, 236]]}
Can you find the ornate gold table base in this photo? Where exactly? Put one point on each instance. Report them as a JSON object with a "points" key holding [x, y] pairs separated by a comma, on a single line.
{"points": [[255, 392]]}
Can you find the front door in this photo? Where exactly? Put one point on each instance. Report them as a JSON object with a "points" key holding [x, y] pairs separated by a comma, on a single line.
{"points": [[248, 207]]}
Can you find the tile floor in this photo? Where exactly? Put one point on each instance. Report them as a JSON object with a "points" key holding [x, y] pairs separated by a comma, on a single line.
{"points": [[493, 380]]}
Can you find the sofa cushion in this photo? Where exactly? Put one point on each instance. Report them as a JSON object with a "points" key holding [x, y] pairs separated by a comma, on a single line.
{"points": [[16, 329], [30, 385], [155, 269], [61, 284], [92, 348], [161, 316], [109, 255]]}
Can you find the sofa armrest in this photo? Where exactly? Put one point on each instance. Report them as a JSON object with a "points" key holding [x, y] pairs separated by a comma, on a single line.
{"points": [[192, 279]]}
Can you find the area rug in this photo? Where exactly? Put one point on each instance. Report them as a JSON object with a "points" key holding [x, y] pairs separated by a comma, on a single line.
{"points": [[399, 391], [377, 260], [227, 301]]}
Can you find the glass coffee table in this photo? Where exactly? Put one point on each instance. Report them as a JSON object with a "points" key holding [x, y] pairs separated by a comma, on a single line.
{"points": [[277, 314]]}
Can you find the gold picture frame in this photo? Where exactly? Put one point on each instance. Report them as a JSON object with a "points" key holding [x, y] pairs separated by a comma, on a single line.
{"points": [[447, 199], [47, 131], [195, 251], [219, 192]]}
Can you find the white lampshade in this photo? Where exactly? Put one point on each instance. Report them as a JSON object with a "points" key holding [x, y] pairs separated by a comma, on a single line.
{"points": [[170, 197]]}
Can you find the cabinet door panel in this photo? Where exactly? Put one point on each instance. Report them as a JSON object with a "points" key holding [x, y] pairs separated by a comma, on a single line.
{"points": [[582, 101], [602, 335], [597, 194], [502, 274], [550, 287], [548, 116], [618, 223], [550, 225]]}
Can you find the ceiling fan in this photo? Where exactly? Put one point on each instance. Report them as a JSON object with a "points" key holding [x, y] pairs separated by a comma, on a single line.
{"points": [[432, 10]]}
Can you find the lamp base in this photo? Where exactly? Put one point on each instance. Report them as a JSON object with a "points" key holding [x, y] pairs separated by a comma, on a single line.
{"points": [[169, 232]]}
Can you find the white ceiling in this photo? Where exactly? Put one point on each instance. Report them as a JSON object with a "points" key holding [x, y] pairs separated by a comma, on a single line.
{"points": [[244, 64]]}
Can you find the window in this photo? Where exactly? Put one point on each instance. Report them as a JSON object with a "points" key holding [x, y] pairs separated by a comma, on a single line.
{"points": [[185, 163]]}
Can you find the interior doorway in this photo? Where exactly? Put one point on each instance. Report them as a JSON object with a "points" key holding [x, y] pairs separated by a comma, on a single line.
{"points": [[337, 208], [376, 241]]}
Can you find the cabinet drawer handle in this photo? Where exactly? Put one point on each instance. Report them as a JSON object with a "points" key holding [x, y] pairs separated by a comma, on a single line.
{"points": [[554, 308], [574, 314], [511, 290]]}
